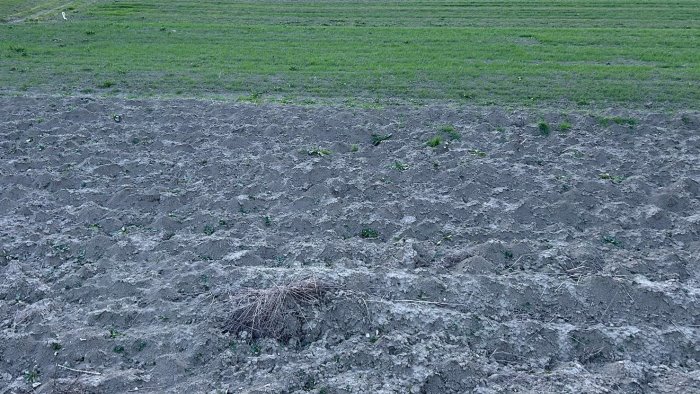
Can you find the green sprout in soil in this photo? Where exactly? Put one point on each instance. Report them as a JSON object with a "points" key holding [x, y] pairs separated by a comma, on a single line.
{"points": [[320, 152], [55, 346], [119, 349], [310, 384], [564, 126], [477, 152], [434, 142], [354, 148], [267, 221], [607, 121], [400, 166], [544, 128], [378, 138], [609, 239], [140, 344], [114, 333], [368, 233], [209, 230], [32, 375], [611, 178], [450, 131]]}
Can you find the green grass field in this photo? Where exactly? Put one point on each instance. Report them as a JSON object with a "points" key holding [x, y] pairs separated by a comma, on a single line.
{"points": [[511, 52]]}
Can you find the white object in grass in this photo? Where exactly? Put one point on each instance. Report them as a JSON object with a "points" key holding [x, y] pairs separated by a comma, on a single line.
{"points": [[63, 13]]}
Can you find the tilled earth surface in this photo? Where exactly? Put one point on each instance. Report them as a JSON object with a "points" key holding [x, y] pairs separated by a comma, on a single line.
{"points": [[516, 255]]}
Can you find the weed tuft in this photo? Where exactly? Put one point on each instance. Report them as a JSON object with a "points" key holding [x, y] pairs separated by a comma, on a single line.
{"points": [[32, 375], [434, 142], [610, 240], [320, 152], [369, 233], [607, 121], [379, 138], [399, 166], [611, 178], [477, 152], [450, 131]]}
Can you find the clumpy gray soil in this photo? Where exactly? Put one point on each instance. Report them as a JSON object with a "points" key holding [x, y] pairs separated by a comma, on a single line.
{"points": [[511, 257]]}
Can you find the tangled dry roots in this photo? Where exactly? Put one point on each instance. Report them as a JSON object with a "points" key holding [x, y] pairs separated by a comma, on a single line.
{"points": [[268, 312]]}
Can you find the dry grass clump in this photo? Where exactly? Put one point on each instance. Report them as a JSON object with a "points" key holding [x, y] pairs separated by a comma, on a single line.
{"points": [[270, 312]]}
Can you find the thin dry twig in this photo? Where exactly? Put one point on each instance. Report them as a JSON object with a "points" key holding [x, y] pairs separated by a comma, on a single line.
{"points": [[79, 370]]}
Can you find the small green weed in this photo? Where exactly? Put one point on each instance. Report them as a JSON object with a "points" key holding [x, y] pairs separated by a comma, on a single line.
{"points": [[378, 138], [140, 344], [106, 84], [209, 230], [368, 233], [610, 240], [114, 333], [119, 349], [434, 142], [612, 178], [320, 152], [607, 121], [477, 152], [32, 375], [55, 346], [450, 131], [354, 148], [399, 166], [544, 129], [564, 126], [309, 384]]}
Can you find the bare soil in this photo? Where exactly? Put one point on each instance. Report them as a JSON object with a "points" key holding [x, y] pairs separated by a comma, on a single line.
{"points": [[500, 260]]}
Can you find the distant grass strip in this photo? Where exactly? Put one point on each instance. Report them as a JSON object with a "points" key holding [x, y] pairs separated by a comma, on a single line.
{"points": [[484, 52]]}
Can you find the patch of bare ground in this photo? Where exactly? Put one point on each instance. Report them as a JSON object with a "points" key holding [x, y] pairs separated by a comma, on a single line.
{"points": [[172, 246]]}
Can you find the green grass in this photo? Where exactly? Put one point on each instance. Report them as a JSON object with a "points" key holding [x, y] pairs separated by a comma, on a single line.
{"points": [[434, 142], [476, 51], [607, 121]]}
